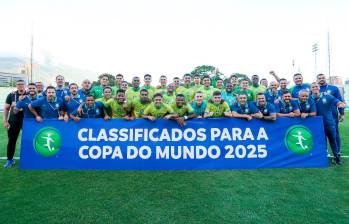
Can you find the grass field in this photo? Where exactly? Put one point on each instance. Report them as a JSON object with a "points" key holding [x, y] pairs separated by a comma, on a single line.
{"points": [[228, 196]]}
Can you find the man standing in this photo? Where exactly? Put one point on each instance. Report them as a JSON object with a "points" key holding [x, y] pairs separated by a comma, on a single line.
{"points": [[97, 91], [13, 122], [324, 104], [147, 85], [256, 87], [207, 89], [334, 91], [85, 88], [245, 89], [138, 105], [183, 111], [299, 85], [74, 99], [228, 95], [61, 90], [306, 104], [118, 106], [186, 89], [199, 104], [22, 104], [272, 95], [133, 92], [163, 85]]}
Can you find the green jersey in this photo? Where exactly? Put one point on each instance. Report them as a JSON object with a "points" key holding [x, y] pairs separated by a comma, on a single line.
{"points": [[258, 89], [168, 99], [158, 112], [217, 109], [249, 94], [132, 94], [117, 110], [104, 101], [161, 90], [188, 92], [208, 92], [97, 92], [184, 110], [114, 89], [151, 91], [137, 107], [197, 87]]}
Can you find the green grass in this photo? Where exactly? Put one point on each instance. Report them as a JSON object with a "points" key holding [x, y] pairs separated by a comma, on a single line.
{"points": [[228, 196]]}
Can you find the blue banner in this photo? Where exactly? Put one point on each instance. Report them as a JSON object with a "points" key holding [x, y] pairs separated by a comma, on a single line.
{"points": [[164, 145]]}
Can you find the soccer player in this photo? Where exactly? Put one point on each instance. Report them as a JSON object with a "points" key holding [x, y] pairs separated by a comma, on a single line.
{"points": [[124, 86], [169, 97], [219, 84], [138, 105], [287, 107], [85, 88], [235, 82], [197, 83], [272, 95], [283, 86], [61, 91], [147, 86], [176, 83], [186, 90], [89, 109], [183, 111], [119, 78], [264, 82], [199, 104], [207, 89], [299, 85], [50, 106], [266, 108], [133, 92], [97, 91], [217, 107], [22, 104], [324, 104], [245, 109], [158, 109], [306, 104], [244, 89], [39, 89], [107, 92], [228, 95], [163, 85], [334, 91], [74, 99], [256, 87], [13, 122], [118, 106]]}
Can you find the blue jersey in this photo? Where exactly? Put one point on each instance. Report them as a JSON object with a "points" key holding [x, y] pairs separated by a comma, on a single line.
{"points": [[96, 111], [272, 97], [324, 105], [48, 109], [73, 104], [23, 105], [282, 91], [248, 108], [334, 91], [199, 111], [83, 94], [307, 106], [267, 109], [297, 88], [229, 98], [62, 92], [284, 108]]}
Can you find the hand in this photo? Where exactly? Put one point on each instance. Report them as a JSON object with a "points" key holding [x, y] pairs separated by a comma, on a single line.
{"points": [[21, 97], [7, 125], [180, 121], [79, 111], [76, 119], [106, 118], [341, 118], [259, 115], [291, 114], [304, 115], [167, 117], [66, 118], [248, 117], [38, 119], [67, 98], [151, 118]]}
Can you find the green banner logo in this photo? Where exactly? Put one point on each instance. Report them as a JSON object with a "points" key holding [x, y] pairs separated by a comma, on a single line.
{"points": [[299, 139], [47, 141]]}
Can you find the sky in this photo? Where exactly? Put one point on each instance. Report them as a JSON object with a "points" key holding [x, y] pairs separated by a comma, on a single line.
{"points": [[171, 38]]}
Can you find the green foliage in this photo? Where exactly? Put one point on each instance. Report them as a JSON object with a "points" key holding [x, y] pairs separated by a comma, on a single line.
{"points": [[111, 80]]}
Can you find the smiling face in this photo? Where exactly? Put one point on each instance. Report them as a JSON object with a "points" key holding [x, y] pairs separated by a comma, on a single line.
{"points": [[157, 101], [107, 93], [124, 86], [60, 81], [32, 90], [163, 81], [50, 93], [244, 84], [118, 79], [261, 100], [287, 97], [90, 101], [315, 89], [86, 84], [180, 101], [199, 97], [303, 96], [283, 84], [197, 80], [187, 79], [217, 99], [207, 82], [104, 81], [219, 84], [321, 79], [73, 89], [147, 80], [298, 79], [255, 80], [120, 97], [136, 82], [273, 86], [242, 99]]}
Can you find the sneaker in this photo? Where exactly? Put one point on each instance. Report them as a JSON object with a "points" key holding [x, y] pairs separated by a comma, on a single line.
{"points": [[337, 160], [9, 164]]}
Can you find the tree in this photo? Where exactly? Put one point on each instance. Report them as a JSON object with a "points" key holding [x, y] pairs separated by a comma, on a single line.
{"points": [[210, 70]]}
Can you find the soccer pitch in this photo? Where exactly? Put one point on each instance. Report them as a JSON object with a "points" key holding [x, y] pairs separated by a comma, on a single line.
{"points": [[227, 196]]}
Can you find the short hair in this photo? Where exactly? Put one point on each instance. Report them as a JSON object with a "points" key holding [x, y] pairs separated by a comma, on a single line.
{"points": [[119, 75], [105, 75], [315, 83], [186, 75], [59, 76], [144, 90], [176, 78], [303, 91], [242, 94], [120, 91], [216, 93], [219, 79], [317, 76], [199, 92], [73, 84], [89, 95], [107, 87], [282, 79], [206, 77], [197, 75], [20, 80], [135, 77], [163, 76], [286, 92], [38, 82], [263, 80], [147, 75], [233, 75], [245, 79], [124, 82], [255, 76], [50, 87], [31, 84], [260, 94], [179, 95], [297, 75], [157, 94]]}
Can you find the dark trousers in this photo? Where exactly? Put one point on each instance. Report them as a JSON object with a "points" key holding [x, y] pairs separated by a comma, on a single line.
{"points": [[12, 133], [331, 135]]}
